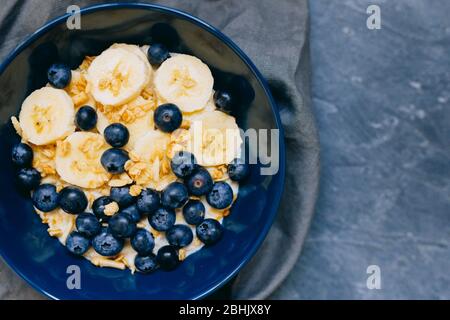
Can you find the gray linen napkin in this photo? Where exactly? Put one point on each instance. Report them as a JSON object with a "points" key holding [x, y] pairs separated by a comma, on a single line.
{"points": [[274, 34]]}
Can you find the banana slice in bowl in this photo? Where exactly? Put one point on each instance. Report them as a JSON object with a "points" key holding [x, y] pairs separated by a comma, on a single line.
{"points": [[198, 115], [47, 115], [151, 145], [78, 160], [117, 76], [215, 138], [185, 81], [134, 49]]}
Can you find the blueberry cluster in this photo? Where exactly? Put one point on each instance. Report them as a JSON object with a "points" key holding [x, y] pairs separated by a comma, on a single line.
{"points": [[106, 234]]}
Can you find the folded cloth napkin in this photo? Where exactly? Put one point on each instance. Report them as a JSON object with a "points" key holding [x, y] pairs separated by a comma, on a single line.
{"points": [[274, 34]]}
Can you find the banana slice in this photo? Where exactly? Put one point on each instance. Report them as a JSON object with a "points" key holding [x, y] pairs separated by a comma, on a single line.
{"points": [[78, 160], [139, 128], [144, 49], [151, 145], [102, 122], [185, 81], [117, 76], [180, 140], [198, 115], [149, 165], [215, 138], [134, 49], [47, 115]]}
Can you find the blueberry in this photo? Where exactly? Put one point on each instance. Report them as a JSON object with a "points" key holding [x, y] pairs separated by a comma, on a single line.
{"points": [[220, 196], [113, 160], [209, 231], [167, 117], [180, 235], [143, 242], [157, 54], [86, 118], [72, 200], [98, 206], [88, 224], [238, 170], [22, 155], [183, 164], [121, 225], [174, 195], [77, 243], [122, 196], [194, 212], [116, 135], [148, 201], [223, 100], [45, 197], [59, 75], [200, 182], [146, 264], [28, 178], [133, 212], [162, 219], [167, 257], [106, 244]]}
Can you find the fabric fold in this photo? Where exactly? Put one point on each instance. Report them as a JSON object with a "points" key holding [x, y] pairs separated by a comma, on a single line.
{"points": [[274, 34]]}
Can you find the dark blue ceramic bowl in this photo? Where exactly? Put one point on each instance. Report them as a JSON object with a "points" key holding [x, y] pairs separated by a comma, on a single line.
{"points": [[42, 260]]}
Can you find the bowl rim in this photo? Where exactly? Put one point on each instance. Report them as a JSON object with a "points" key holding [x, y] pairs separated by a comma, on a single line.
{"points": [[261, 80]]}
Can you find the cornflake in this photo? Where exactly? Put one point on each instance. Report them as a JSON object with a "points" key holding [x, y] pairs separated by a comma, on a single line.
{"points": [[105, 262], [111, 208], [186, 124], [121, 180], [219, 173], [182, 254], [44, 159], [54, 232], [63, 148], [86, 63], [77, 85], [139, 172], [135, 190], [91, 146], [226, 213], [180, 140], [80, 99]]}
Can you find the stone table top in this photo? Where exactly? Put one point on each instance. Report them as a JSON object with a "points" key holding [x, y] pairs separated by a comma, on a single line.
{"points": [[382, 104]]}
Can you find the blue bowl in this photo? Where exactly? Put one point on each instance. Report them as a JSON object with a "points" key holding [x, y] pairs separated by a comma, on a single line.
{"points": [[41, 260]]}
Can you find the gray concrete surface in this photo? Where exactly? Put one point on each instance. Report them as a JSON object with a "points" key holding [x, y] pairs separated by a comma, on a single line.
{"points": [[382, 103]]}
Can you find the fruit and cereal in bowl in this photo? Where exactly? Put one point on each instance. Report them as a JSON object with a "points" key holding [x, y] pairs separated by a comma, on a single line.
{"points": [[131, 159], [99, 180]]}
